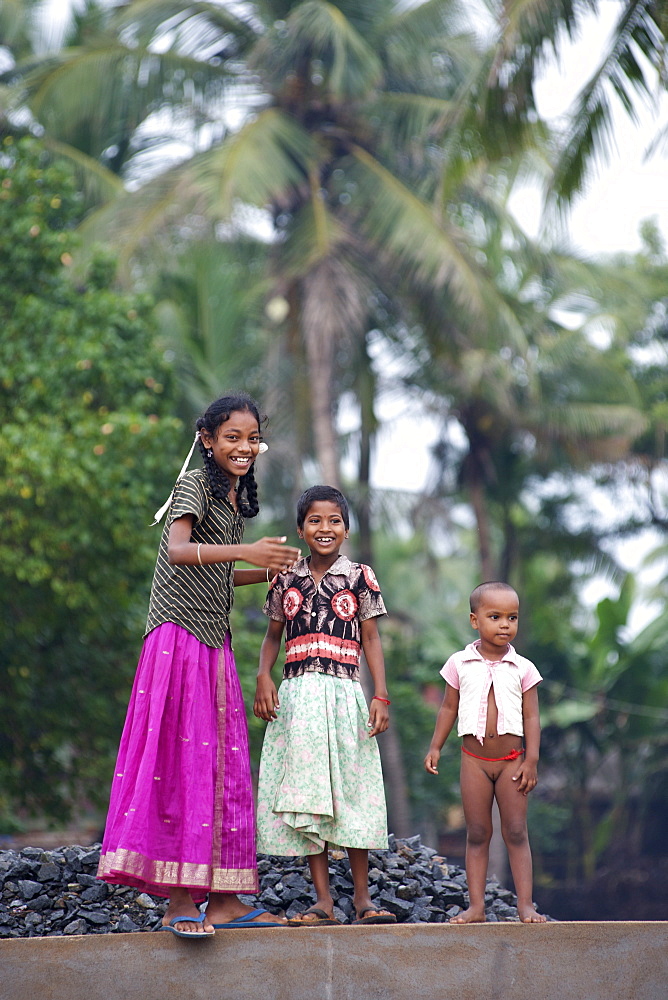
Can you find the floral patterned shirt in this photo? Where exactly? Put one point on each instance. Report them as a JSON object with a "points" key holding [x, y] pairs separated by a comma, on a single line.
{"points": [[322, 633]]}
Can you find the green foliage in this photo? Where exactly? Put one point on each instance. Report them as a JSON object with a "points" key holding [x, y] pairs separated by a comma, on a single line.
{"points": [[85, 445], [249, 625], [603, 727], [415, 690]]}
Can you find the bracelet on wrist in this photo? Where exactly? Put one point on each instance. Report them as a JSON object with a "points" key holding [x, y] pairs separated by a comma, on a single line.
{"points": [[385, 701]]}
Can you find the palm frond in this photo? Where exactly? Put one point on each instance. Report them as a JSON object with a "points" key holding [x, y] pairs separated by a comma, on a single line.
{"points": [[103, 84], [601, 430], [527, 25], [204, 30], [402, 226], [428, 45], [318, 32], [659, 144], [137, 218], [314, 234], [208, 313], [264, 163], [412, 118], [16, 25], [591, 133], [98, 184]]}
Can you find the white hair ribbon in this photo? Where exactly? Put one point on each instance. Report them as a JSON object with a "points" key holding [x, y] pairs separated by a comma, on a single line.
{"points": [[160, 513]]}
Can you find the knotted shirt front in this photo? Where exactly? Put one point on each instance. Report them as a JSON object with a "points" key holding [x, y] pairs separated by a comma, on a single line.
{"points": [[469, 673]]}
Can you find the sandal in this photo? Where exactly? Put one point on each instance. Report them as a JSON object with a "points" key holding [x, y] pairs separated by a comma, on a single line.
{"points": [[321, 919], [381, 916]]}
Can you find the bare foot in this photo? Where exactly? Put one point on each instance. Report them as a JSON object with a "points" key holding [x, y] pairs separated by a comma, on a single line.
{"points": [[528, 915], [474, 915], [181, 905]]}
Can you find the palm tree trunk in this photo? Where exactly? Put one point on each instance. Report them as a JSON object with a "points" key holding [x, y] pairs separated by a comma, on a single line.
{"points": [[365, 386], [399, 819], [396, 786], [477, 494], [322, 322]]}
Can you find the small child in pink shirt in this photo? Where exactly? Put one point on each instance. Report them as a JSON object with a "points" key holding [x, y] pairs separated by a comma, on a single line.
{"points": [[494, 693]]}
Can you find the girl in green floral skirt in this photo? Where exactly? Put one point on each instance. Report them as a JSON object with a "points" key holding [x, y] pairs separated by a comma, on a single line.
{"points": [[321, 782]]}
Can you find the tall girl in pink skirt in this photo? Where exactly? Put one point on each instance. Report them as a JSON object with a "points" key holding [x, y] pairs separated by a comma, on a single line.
{"points": [[181, 820]]}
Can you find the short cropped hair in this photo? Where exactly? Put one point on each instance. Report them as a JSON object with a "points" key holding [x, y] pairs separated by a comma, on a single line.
{"points": [[327, 493], [481, 591]]}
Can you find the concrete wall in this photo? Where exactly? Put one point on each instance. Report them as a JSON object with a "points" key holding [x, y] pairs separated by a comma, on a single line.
{"points": [[555, 961]]}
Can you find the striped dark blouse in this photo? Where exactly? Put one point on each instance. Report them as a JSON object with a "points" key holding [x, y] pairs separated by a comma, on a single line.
{"points": [[199, 598]]}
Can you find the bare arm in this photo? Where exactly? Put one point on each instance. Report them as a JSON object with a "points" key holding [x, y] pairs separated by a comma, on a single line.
{"points": [[271, 553], [379, 715], [266, 696], [526, 774], [244, 576], [445, 720]]}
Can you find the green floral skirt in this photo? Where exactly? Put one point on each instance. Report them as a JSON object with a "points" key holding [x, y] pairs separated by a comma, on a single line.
{"points": [[320, 775]]}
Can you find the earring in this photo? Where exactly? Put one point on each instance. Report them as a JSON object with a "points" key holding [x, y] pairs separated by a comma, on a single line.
{"points": [[209, 453]]}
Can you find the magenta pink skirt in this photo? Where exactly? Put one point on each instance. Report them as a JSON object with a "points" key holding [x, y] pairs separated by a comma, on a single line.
{"points": [[181, 806]]}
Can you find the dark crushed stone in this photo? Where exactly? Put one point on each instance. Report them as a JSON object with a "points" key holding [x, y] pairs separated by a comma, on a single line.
{"points": [[45, 893]]}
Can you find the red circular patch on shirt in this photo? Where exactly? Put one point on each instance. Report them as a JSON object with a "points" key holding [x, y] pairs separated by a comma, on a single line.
{"points": [[345, 605], [292, 602], [370, 578]]}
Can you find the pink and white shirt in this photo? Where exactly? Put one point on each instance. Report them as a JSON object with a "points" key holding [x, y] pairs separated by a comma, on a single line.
{"points": [[473, 676]]}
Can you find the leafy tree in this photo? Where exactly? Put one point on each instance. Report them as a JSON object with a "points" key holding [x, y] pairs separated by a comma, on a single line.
{"points": [[604, 729], [518, 414], [350, 104], [85, 457]]}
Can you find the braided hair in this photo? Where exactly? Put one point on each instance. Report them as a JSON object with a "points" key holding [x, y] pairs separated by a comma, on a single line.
{"points": [[218, 413]]}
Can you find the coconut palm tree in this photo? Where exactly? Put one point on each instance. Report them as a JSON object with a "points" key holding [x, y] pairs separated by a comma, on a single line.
{"points": [[330, 118], [517, 415]]}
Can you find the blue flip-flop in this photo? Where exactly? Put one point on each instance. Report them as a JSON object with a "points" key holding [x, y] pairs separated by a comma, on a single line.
{"points": [[187, 920], [248, 921]]}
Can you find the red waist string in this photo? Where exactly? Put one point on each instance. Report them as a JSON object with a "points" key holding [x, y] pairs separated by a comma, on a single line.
{"points": [[513, 755]]}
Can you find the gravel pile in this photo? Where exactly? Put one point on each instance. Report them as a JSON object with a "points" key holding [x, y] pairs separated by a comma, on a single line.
{"points": [[56, 892]]}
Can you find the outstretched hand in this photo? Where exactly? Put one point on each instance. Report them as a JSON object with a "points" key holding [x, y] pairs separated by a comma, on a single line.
{"points": [[273, 554]]}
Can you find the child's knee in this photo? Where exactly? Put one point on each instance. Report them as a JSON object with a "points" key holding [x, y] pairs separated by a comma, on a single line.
{"points": [[515, 834], [478, 834]]}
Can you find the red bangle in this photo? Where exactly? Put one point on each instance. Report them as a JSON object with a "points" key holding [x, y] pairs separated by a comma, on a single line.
{"points": [[384, 700]]}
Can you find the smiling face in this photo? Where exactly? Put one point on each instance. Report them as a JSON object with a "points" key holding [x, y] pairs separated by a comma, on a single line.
{"points": [[236, 444], [324, 530], [496, 620]]}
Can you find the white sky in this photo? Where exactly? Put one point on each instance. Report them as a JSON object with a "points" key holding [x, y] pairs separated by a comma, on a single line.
{"points": [[628, 187]]}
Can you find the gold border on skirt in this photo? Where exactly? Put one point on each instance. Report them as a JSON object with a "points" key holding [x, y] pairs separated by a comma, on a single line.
{"points": [[176, 873]]}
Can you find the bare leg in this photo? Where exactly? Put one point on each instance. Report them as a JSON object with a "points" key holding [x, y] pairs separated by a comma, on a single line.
{"points": [[477, 795], [364, 908], [513, 810], [359, 867], [319, 866], [181, 905]]}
